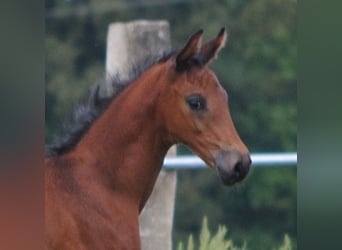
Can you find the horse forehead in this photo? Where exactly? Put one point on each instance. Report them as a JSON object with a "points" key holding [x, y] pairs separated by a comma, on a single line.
{"points": [[209, 82], [204, 77]]}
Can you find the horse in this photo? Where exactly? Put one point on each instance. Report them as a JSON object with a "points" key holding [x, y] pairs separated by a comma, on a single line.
{"points": [[97, 185]]}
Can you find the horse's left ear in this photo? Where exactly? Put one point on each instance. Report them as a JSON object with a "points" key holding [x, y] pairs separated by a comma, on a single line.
{"points": [[210, 49]]}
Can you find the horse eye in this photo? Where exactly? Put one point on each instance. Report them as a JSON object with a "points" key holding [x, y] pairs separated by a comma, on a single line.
{"points": [[196, 102]]}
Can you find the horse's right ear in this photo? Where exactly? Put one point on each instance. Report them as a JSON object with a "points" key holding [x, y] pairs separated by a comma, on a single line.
{"points": [[192, 47]]}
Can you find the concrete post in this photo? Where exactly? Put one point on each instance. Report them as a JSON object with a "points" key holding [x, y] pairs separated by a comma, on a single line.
{"points": [[131, 42], [128, 43]]}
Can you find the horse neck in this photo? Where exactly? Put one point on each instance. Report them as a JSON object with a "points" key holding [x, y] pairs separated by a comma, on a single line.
{"points": [[127, 144]]}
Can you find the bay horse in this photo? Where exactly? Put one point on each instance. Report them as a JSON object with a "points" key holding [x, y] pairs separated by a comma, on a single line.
{"points": [[96, 185]]}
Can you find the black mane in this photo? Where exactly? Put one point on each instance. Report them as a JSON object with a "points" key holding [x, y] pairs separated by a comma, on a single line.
{"points": [[85, 114]]}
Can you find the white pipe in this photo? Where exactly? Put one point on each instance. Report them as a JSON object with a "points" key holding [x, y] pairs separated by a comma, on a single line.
{"points": [[258, 160]]}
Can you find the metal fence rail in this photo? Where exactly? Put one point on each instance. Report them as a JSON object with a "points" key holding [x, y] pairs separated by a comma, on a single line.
{"points": [[258, 160]]}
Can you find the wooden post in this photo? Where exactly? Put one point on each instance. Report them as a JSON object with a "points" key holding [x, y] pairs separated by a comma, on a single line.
{"points": [[128, 43]]}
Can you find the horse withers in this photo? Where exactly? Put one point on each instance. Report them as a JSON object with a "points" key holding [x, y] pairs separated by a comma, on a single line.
{"points": [[98, 182]]}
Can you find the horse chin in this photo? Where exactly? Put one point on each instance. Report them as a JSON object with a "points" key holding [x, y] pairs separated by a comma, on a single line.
{"points": [[228, 178]]}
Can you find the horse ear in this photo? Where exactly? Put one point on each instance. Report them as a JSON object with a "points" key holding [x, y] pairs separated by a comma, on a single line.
{"points": [[192, 47], [210, 49]]}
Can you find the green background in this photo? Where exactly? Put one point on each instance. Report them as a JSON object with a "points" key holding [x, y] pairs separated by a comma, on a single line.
{"points": [[257, 68]]}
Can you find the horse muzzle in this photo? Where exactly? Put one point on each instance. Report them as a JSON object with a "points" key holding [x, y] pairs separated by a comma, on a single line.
{"points": [[232, 166]]}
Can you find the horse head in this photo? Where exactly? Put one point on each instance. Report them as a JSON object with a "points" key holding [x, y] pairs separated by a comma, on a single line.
{"points": [[196, 111]]}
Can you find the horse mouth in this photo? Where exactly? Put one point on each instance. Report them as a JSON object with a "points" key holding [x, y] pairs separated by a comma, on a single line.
{"points": [[232, 166]]}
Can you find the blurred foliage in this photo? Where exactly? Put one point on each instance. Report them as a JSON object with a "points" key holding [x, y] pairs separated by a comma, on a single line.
{"points": [[218, 241], [257, 68], [207, 241]]}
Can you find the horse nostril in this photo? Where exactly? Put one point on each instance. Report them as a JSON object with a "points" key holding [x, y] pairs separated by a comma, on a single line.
{"points": [[237, 170], [249, 161]]}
